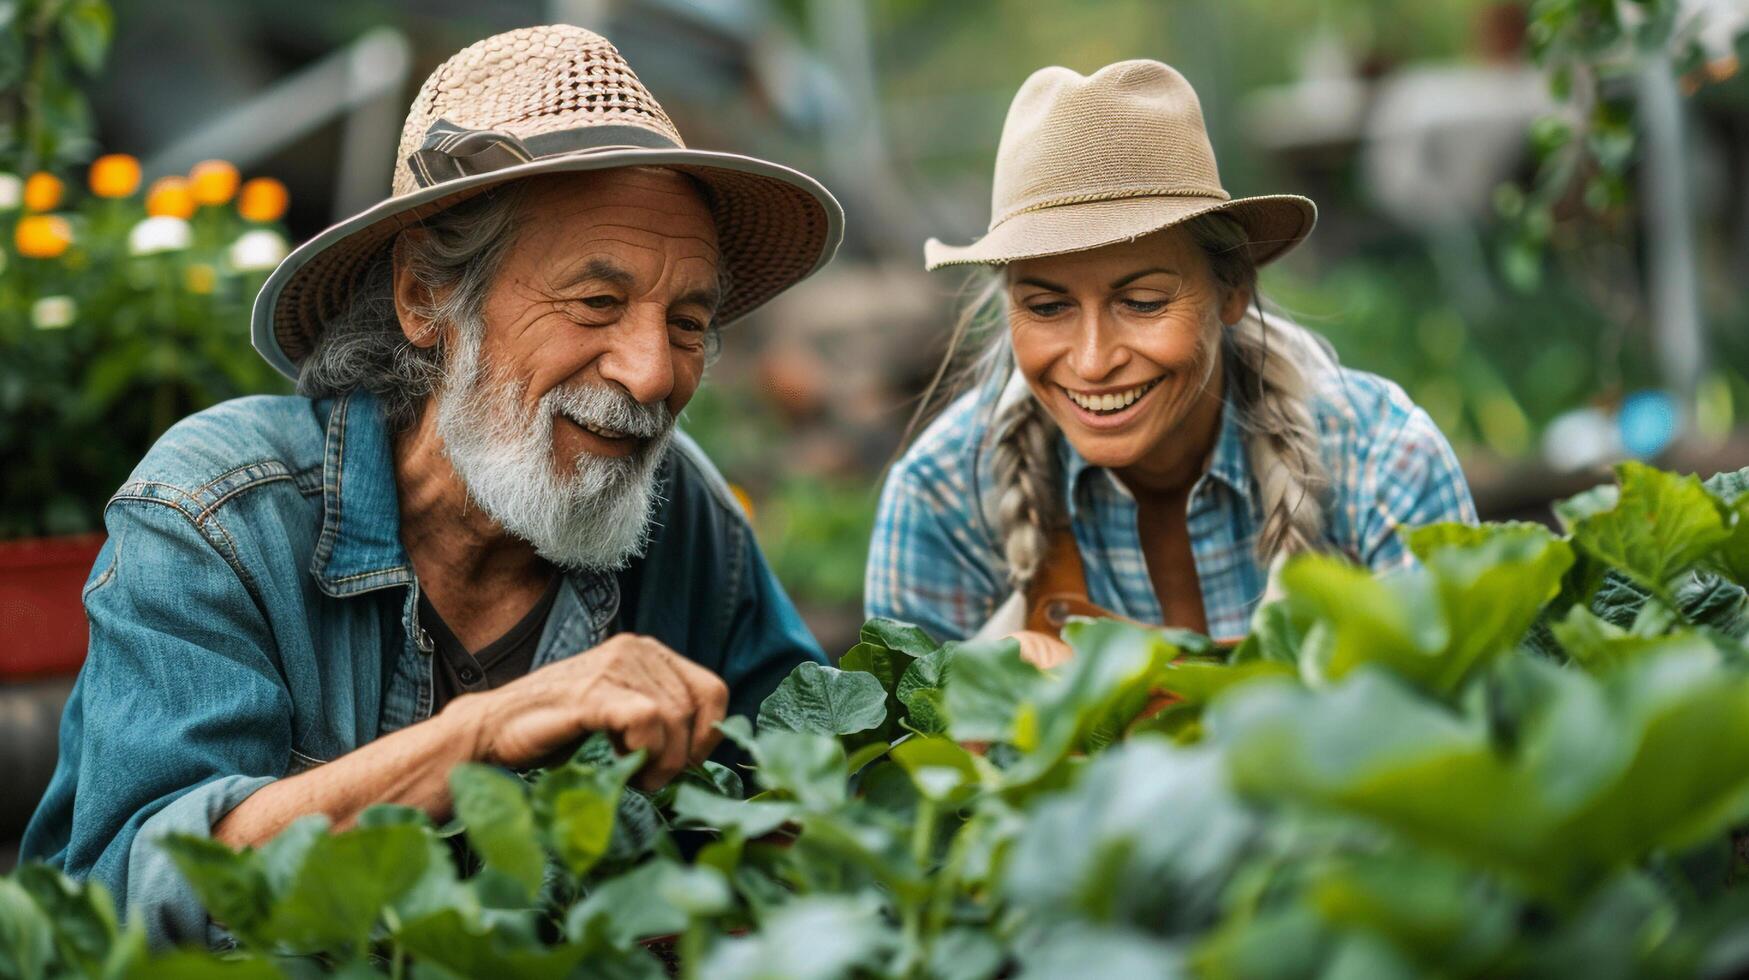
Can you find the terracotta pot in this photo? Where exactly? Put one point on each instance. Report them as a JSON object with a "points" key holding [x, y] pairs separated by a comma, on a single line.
{"points": [[42, 622]]}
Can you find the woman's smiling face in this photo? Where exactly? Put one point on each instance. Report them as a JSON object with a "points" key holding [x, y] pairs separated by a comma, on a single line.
{"points": [[1118, 343]]}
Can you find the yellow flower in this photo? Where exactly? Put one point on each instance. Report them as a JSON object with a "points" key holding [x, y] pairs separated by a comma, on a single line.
{"points": [[169, 197], [42, 192], [42, 236], [262, 199], [200, 278], [212, 182], [114, 175]]}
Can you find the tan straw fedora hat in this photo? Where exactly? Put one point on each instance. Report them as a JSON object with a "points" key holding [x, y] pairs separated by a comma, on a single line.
{"points": [[543, 100], [1087, 161]]}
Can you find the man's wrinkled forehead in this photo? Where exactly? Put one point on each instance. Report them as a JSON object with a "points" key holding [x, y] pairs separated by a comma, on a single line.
{"points": [[640, 206]]}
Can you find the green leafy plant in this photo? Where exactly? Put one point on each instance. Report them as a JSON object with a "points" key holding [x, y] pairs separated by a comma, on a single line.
{"points": [[1523, 757]]}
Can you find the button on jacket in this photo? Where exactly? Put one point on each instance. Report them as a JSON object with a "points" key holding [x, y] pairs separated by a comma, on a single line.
{"points": [[253, 614]]}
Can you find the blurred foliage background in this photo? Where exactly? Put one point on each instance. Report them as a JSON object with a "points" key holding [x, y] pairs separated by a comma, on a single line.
{"points": [[1534, 214]]}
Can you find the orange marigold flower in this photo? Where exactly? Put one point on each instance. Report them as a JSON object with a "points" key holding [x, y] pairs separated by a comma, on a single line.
{"points": [[169, 196], [42, 192], [42, 236], [213, 181], [262, 199], [114, 175]]}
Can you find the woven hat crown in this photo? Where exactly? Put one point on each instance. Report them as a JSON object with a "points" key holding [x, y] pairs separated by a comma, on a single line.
{"points": [[1132, 129], [527, 82]]}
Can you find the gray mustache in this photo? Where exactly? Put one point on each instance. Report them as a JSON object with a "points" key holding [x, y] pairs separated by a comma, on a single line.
{"points": [[610, 407]]}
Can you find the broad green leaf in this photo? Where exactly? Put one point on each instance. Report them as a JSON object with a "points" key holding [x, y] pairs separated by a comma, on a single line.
{"points": [[900, 637], [193, 964], [494, 806], [346, 880], [809, 938], [83, 914], [575, 807], [1492, 580], [985, 690], [1088, 704], [654, 899], [86, 27], [811, 768], [721, 778], [921, 692], [1661, 526], [468, 949], [1089, 951], [1598, 645], [1394, 621], [1597, 500], [965, 953], [638, 828], [824, 701], [939, 767], [1101, 852], [232, 885], [27, 936], [1732, 557], [1437, 911], [750, 818], [1199, 682]]}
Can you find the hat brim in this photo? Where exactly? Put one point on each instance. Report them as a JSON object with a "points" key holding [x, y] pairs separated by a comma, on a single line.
{"points": [[1275, 223], [775, 227]]}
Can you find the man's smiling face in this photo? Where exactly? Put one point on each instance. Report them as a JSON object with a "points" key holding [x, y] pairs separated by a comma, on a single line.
{"points": [[611, 279], [559, 397]]}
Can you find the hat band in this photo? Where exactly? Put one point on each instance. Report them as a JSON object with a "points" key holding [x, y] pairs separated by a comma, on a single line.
{"points": [[451, 151], [1117, 195]]}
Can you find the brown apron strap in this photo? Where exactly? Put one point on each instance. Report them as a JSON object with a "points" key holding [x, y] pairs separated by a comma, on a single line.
{"points": [[1059, 590]]}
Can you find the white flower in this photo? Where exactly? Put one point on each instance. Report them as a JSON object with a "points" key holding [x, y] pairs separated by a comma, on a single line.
{"points": [[11, 191], [53, 312], [256, 250], [165, 233]]}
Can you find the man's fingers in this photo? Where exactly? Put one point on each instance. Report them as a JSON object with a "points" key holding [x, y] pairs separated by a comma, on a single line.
{"points": [[637, 721], [710, 698]]}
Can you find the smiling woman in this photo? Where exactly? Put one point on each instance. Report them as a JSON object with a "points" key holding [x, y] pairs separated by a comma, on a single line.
{"points": [[1139, 436]]}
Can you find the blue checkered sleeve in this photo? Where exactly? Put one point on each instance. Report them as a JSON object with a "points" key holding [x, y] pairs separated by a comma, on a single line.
{"points": [[932, 560], [1412, 479]]}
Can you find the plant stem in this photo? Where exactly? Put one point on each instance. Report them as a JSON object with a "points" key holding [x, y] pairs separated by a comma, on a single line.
{"points": [[911, 916], [691, 948]]}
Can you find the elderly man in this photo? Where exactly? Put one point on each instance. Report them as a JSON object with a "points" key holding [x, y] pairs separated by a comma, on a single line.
{"points": [[476, 534]]}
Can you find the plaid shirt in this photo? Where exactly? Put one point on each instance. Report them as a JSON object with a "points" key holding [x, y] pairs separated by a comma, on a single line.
{"points": [[936, 559]]}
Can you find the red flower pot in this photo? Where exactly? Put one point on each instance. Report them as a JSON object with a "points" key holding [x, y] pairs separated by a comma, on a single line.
{"points": [[42, 622]]}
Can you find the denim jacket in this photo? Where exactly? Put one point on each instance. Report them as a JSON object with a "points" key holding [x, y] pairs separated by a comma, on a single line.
{"points": [[253, 615]]}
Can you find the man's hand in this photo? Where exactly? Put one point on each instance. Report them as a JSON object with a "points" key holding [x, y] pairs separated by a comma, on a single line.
{"points": [[1042, 650], [642, 694]]}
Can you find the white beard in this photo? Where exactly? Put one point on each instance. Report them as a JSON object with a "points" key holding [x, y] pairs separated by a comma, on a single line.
{"points": [[594, 517]]}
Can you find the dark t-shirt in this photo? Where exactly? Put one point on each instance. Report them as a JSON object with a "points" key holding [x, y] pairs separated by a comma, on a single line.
{"points": [[459, 672]]}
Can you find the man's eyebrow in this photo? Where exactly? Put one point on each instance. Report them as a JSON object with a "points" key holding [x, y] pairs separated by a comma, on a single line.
{"points": [[1042, 284], [1132, 277], [599, 269], [709, 297]]}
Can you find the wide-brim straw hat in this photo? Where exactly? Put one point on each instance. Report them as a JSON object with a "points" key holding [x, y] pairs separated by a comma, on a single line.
{"points": [[546, 100], [1089, 161]]}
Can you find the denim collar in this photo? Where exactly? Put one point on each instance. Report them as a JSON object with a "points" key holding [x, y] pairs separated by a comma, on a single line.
{"points": [[1227, 463], [360, 545]]}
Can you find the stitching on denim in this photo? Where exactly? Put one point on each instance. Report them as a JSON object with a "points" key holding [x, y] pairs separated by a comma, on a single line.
{"points": [[227, 551], [306, 762], [103, 579], [233, 471], [274, 478]]}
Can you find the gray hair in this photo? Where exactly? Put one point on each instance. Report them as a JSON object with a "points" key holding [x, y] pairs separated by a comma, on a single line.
{"points": [[363, 346], [1268, 388]]}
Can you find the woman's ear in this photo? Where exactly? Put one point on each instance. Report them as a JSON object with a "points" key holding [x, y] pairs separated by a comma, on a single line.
{"points": [[411, 295], [1233, 304]]}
